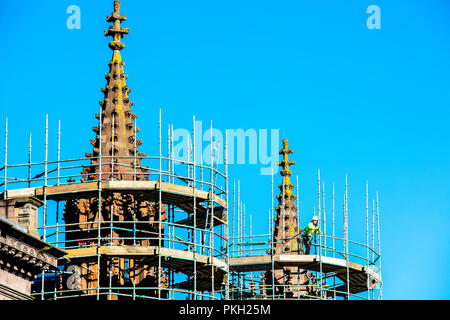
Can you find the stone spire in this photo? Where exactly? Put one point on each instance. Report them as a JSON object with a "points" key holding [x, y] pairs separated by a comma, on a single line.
{"points": [[118, 132], [286, 206], [286, 173], [118, 140], [285, 235]]}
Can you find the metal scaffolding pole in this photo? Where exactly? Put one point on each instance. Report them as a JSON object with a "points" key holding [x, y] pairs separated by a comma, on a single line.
{"points": [[227, 230], [45, 177], [172, 157], [238, 240], [272, 246], [324, 225], [284, 220], [195, 212], [320, 239], [298, 207], [334, 246], [29, 163], [243, 241], [346, 238], [99, 202], [234, 218], [113, 125], [373, 230], [250, 235], [319, 209], [367, 240], [201, 170], [334, 243], [212, 211], [168, 153], [188, 152], [159, 207], [6, 160], [111, 218], [324, 219], [135, 149], [58, 174], [58, 168], [379, 244]]}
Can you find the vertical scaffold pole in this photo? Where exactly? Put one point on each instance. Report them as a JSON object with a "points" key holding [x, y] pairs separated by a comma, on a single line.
{"points": [[195, 212], [172, 153], [334, 245], [57, 182], [238, 239], [111, 214], [379, 244], [6, 160], [58, 168], [159, 208], [212, 210], [373, 240], [367, 239], [298, 229], [334, 242], [320, 238], [240, 228], [45, 200], [272, 246], [298, 208], [113, 125], [346, 238], [250, 234], [201, 170], [227, 230], [284, 218], [269, 220], [373, 230], [233, 248], [188, 152], [99, 201], [298, 236], [324, 225], [46, 176], [324, 219], [29, 163], [243, 230], [135, 150], [168, 153], [319, 209]]}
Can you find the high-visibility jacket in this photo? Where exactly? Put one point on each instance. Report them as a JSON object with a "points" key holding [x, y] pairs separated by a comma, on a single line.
{"points": [[310, 229]]}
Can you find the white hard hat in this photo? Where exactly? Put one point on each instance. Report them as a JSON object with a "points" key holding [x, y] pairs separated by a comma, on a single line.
{"points": [[315, 218]]}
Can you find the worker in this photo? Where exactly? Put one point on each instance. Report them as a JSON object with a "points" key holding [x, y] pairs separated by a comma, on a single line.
{"points": [[310, 229]]}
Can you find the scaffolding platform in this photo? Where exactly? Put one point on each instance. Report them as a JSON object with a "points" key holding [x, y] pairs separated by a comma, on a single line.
{"points": [[178, 260], [173, 194], [359, 275]]}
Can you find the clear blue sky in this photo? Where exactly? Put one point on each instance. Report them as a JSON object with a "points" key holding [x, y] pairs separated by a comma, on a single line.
{"points": [[370, 103]]}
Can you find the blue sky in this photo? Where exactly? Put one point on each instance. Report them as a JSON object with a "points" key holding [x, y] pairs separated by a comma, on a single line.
{"points": [[370, 103]]}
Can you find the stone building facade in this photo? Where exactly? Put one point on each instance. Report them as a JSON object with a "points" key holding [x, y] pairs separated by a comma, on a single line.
{"points": [[23, 255]]}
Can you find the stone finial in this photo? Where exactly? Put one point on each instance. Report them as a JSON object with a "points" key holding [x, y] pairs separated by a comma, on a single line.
{"points": [[117, 7], [285, 163]]}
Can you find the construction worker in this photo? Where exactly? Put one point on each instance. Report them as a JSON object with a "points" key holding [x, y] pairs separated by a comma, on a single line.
{"points": [[308, 232]]}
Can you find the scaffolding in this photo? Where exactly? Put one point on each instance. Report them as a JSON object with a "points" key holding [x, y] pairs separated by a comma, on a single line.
{"points": [[183, 249], [190, 254], [192, 250], [338, 268]]}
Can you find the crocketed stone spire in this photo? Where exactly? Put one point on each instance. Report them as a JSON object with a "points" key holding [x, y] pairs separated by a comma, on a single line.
{"points": [[285, 236], [286, 209], [118, 133], [82, 215]]}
